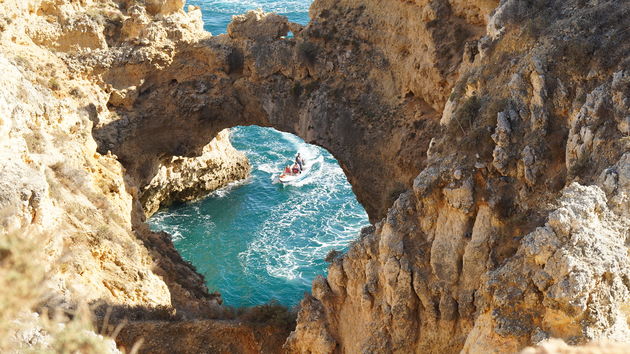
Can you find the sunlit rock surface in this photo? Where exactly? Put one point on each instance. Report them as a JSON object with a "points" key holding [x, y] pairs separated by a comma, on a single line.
{"points": [[488, 142], [184, 179]]}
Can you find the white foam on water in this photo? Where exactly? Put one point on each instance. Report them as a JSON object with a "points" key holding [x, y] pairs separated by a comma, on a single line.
{"points": [[268, 167], [175, 231], [295, 235], [236, 6], [169, 220], [277, 247], [224, 191], [314, 173], [312, 156], [176, 235]]}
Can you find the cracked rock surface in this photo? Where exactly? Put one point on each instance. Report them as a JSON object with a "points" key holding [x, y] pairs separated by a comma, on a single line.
{"points": [[488, 142]]}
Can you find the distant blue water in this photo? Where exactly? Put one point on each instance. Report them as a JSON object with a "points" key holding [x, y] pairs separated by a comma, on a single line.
{"points": [[218, 13]]}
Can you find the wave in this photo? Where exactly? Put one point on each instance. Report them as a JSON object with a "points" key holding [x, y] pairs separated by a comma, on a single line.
{"points": [[268, 240], [268, 167], [240, 6], [171, 222], [225, 191], [298, 234]]}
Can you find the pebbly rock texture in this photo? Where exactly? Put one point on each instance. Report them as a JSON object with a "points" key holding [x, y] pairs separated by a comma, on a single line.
{"points": [[584, 298], [488, 142]]}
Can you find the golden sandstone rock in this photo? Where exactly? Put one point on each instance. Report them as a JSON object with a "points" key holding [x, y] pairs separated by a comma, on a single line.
{"points": [[511, 230]]}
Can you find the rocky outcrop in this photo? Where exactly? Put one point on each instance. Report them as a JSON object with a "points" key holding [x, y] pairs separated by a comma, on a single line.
{"points": [[509, 235], [56, 185], [254, 75], [489, 147], [202, 337], [184, 179]]}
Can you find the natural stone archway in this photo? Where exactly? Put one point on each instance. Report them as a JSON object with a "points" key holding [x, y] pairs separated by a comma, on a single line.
{"points": [[357, 83], [338, 90], [513, 223]]}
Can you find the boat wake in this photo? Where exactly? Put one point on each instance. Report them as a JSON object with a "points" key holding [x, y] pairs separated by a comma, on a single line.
{"points": [[267, 241]]}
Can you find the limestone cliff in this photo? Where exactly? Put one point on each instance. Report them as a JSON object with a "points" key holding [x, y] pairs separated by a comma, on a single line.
{"points": [[55, 183], [517, 229], [488, 142], [182, 179]]}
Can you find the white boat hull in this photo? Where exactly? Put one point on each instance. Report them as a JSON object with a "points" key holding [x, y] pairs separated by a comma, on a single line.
{"points": [[288, 178]]}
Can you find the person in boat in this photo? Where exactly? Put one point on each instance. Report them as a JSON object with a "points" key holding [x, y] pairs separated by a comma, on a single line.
{"points": [[287, 170], [296, 169], [299, 161]]}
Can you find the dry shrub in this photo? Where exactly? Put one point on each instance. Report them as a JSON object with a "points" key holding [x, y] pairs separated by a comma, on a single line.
{"points": [[22, 280], [36, 142], [21, 276], [467, 112], [54, 84], [474, 122], [272, 313], [269, 314], [75, 333]]}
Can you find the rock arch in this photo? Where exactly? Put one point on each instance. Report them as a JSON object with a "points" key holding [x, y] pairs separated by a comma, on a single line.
{"points": [[336, 90], [479, 253]]}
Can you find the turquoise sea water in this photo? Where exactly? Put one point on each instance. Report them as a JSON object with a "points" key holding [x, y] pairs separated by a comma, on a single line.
{"points": [[257, 240], [218, 13]]}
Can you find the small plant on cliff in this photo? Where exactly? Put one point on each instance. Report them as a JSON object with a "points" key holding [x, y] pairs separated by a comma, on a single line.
{"points": [[21, 275], [97, 15], [465, 115], [460, 87], [24, 62], [76, 92], [473, 123], [469, 110], [271, 313], [22, 280], [54, 85], [297, 89], [311, 86], [35, 142]]}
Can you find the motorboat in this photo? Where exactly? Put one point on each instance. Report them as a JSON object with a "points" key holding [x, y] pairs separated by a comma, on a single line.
{"points": [[287, 176]]}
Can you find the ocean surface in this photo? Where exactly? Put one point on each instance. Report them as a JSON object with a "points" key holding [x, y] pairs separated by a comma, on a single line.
{"points": [[258, 240], [218, 13]]}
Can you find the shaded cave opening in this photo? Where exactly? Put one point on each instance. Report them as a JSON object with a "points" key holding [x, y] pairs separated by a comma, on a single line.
{"points": [[258, 241]]}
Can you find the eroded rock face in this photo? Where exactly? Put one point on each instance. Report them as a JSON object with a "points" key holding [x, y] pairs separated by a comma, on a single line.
{"points": [[493, 160], [576, 268], [513, 233], [184, 179], [365, 86], [55, 183], [258, 25]]}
